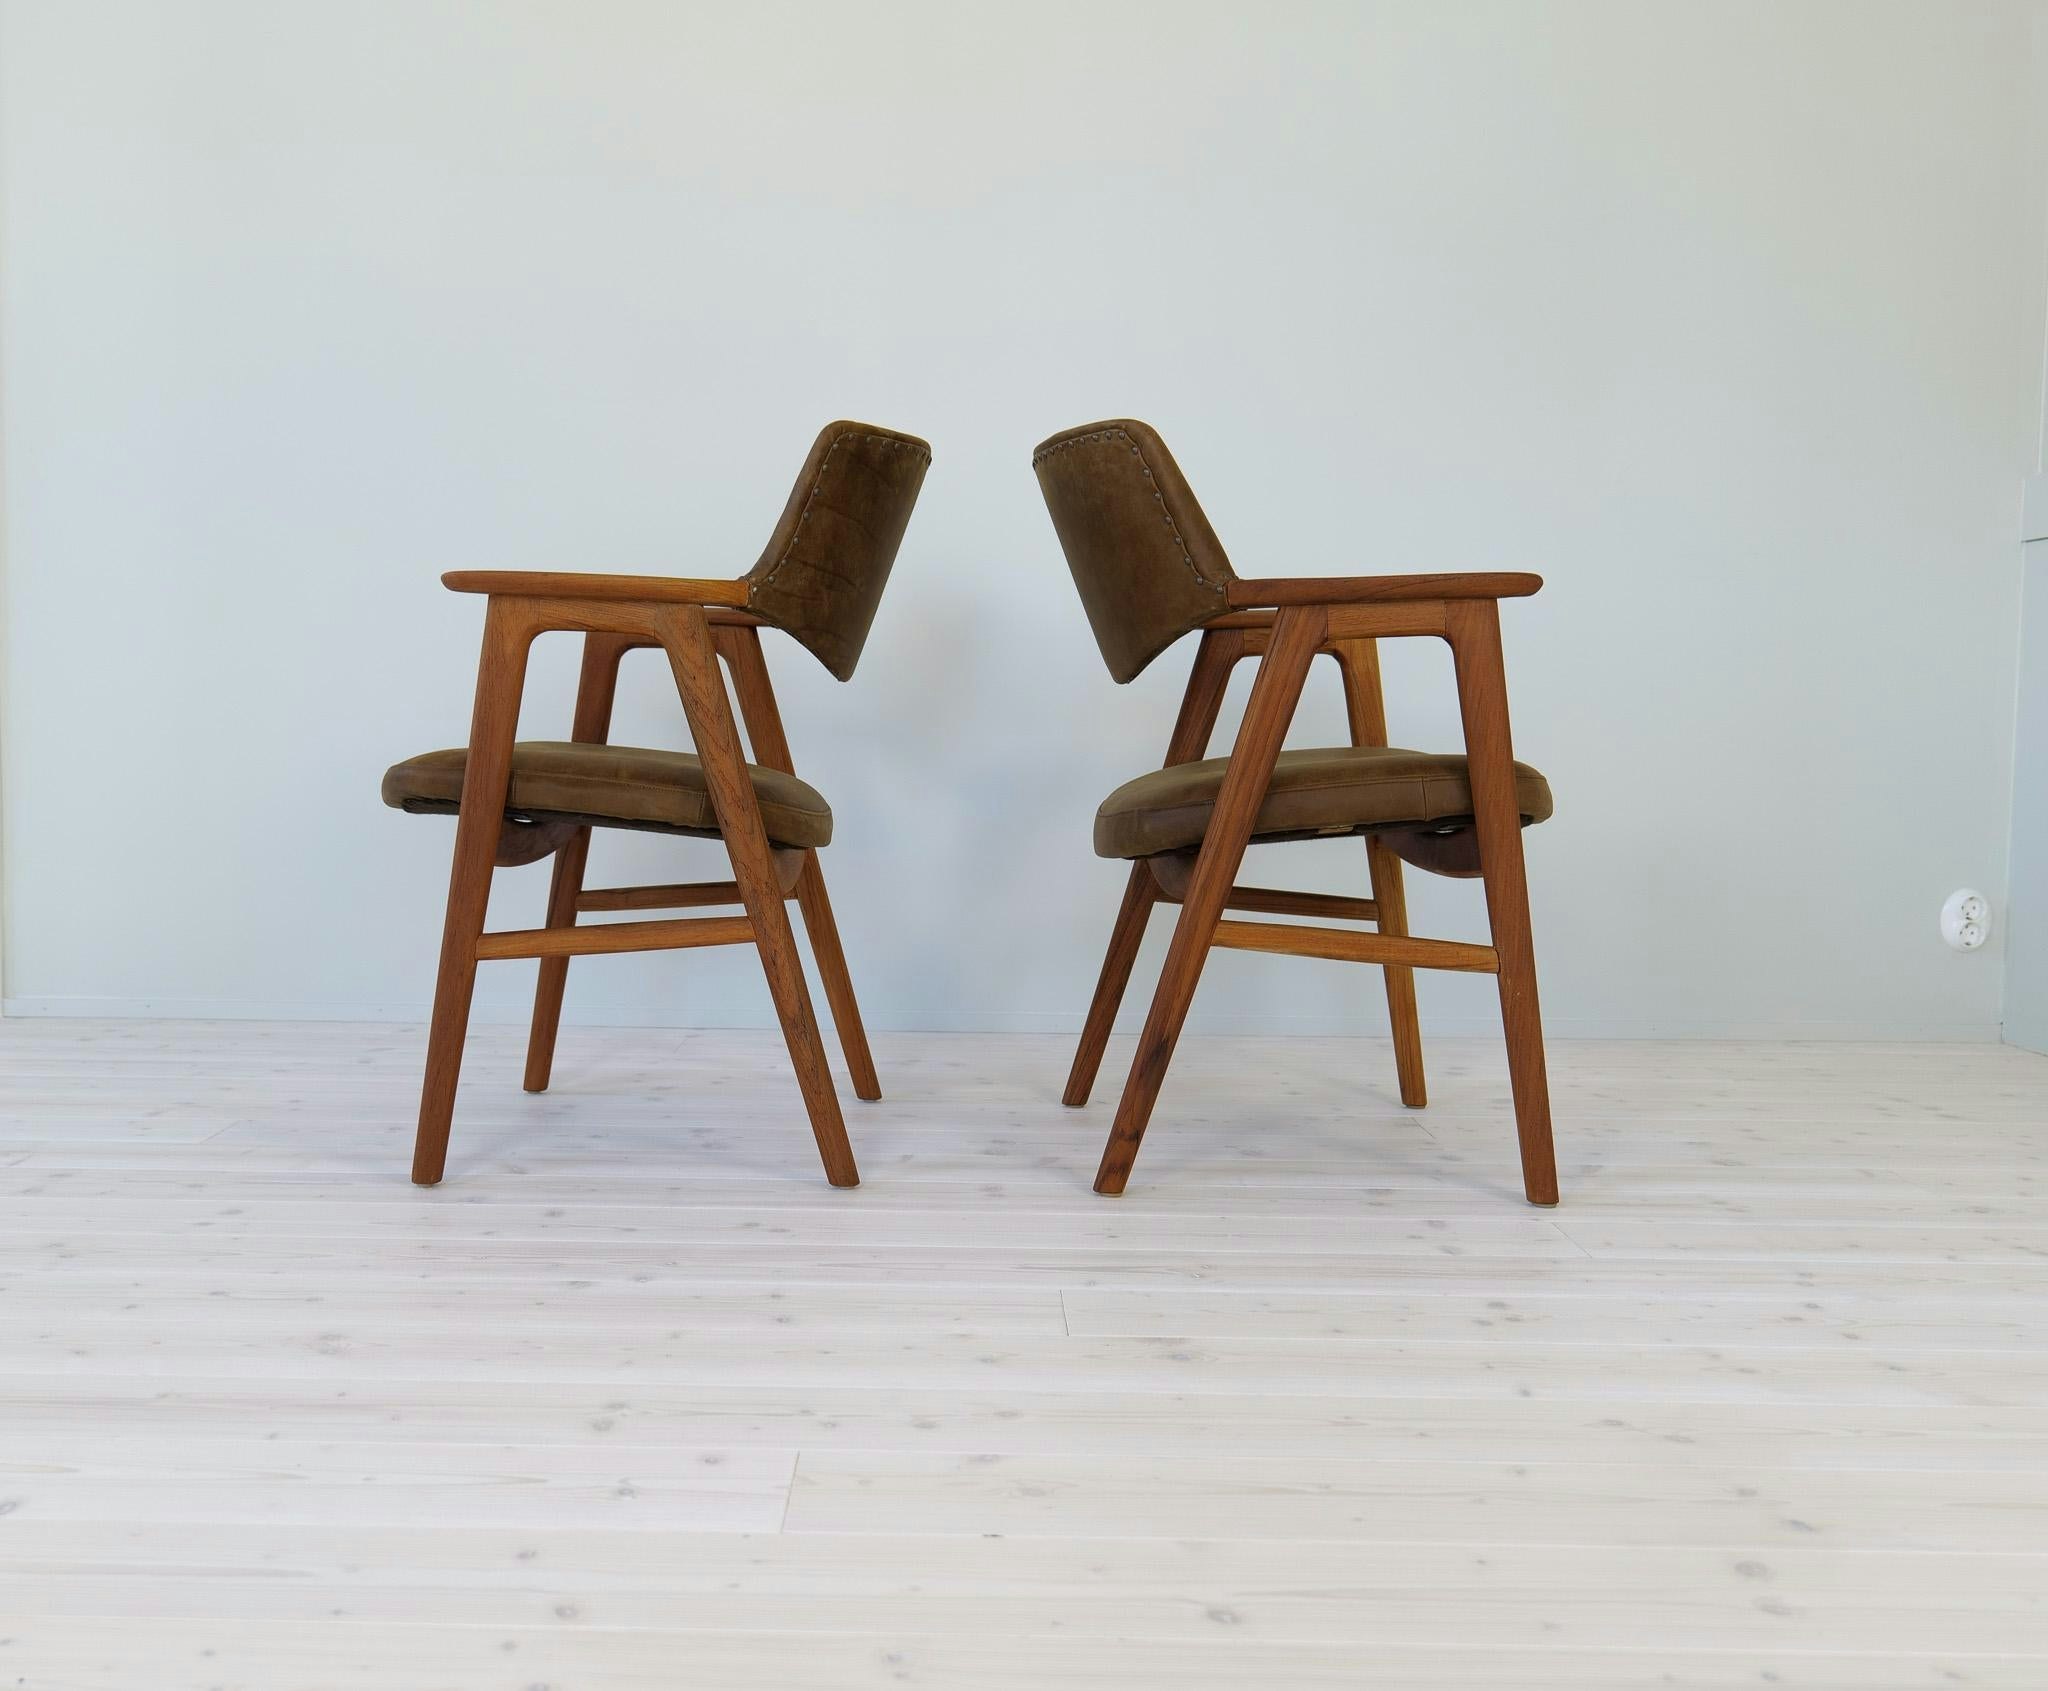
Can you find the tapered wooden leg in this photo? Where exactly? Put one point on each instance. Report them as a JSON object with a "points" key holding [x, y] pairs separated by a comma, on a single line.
{"points": [[1365, 704], [1141, 892], [1209, 675], [816, 906], [1474, 630], [595, 690], [687, 638], [741, 649], [1390, 896], [563, 891], [500, 674], [1297, 632]]}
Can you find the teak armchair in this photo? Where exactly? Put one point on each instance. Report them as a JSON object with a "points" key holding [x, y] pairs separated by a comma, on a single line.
{"points": [[1150, 569], [819, 580]]}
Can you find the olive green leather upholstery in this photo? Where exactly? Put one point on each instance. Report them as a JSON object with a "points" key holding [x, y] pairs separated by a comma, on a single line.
{"points": [[1333, 790], [1149, 569], [819, 580], [823, 572], [611, 786], [1148, 565]]}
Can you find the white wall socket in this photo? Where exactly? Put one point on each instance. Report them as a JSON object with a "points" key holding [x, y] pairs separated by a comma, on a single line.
{"points": [[1966, 919]]}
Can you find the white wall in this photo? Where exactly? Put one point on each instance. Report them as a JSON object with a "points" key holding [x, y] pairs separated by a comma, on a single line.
{"points": [[2026, 909], [1720, 316], [2026, 986], [2025, 923]]}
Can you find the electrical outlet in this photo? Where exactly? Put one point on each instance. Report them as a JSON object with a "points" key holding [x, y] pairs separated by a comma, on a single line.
{"points": [[1966, 919]]}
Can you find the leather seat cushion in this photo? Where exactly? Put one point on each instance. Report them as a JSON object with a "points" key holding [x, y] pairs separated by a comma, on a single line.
{"points": [[614, 787], [1332, 790]]}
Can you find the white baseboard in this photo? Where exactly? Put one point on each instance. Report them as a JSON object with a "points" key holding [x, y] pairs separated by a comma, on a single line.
{"points": [[1018, 1021]]}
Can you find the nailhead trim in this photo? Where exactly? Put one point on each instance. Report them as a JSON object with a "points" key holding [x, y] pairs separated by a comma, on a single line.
{"points": [[1158, 498], [818, 482]]}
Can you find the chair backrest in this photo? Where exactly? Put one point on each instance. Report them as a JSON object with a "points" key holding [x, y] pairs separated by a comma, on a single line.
{"points": [[829, 559], [1147, 563]]}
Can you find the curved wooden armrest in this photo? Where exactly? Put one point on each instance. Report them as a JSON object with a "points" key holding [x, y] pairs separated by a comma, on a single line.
{"points": [[555, 584], [1379, 589]]}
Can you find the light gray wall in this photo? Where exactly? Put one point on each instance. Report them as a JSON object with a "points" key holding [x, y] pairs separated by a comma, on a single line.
{"points": [[2026, 985], [2025, 924], [1720, 316]]}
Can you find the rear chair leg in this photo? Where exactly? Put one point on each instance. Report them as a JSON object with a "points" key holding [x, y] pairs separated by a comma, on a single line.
{"points": [[1365, 704], [824, 931], [596, 687], [1391, 897], [1140, 894], [563, 891]]}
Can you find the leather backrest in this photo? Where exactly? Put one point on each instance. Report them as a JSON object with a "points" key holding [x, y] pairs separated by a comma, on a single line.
{"points": [[823, 572], [1144, 557]]}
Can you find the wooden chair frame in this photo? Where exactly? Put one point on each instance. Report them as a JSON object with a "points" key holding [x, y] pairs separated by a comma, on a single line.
{"points": [[1287, 624], [696, 623]]}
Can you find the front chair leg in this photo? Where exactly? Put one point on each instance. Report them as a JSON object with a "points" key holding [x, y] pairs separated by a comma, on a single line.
{"points": [[1473, 627], [1297, 633], [686, 637], [501, 673]]}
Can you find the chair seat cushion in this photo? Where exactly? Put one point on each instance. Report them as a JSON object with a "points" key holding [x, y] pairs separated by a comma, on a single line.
{"points": [[1333, 790], [613, 787]]}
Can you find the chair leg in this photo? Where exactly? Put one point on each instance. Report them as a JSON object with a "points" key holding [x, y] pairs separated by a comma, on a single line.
{"points": [[595, 689], [1140, 894], [1365, 704], [816, 907], [1297, 633], [500, 674], [563, 891], [1474, 631], [741, 649], [687, 638], [1208, 676], [1391, 898]]}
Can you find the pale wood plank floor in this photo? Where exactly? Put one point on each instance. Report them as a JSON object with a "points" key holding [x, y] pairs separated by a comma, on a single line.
{"points": [[636, 1401]]}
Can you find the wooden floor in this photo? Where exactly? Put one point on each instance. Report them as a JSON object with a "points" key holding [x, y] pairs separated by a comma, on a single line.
{"points": [[636, 1400]]}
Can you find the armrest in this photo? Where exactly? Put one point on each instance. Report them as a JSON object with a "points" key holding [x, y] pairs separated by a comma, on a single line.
{"points": [[1379, 589], [553, 584]]}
